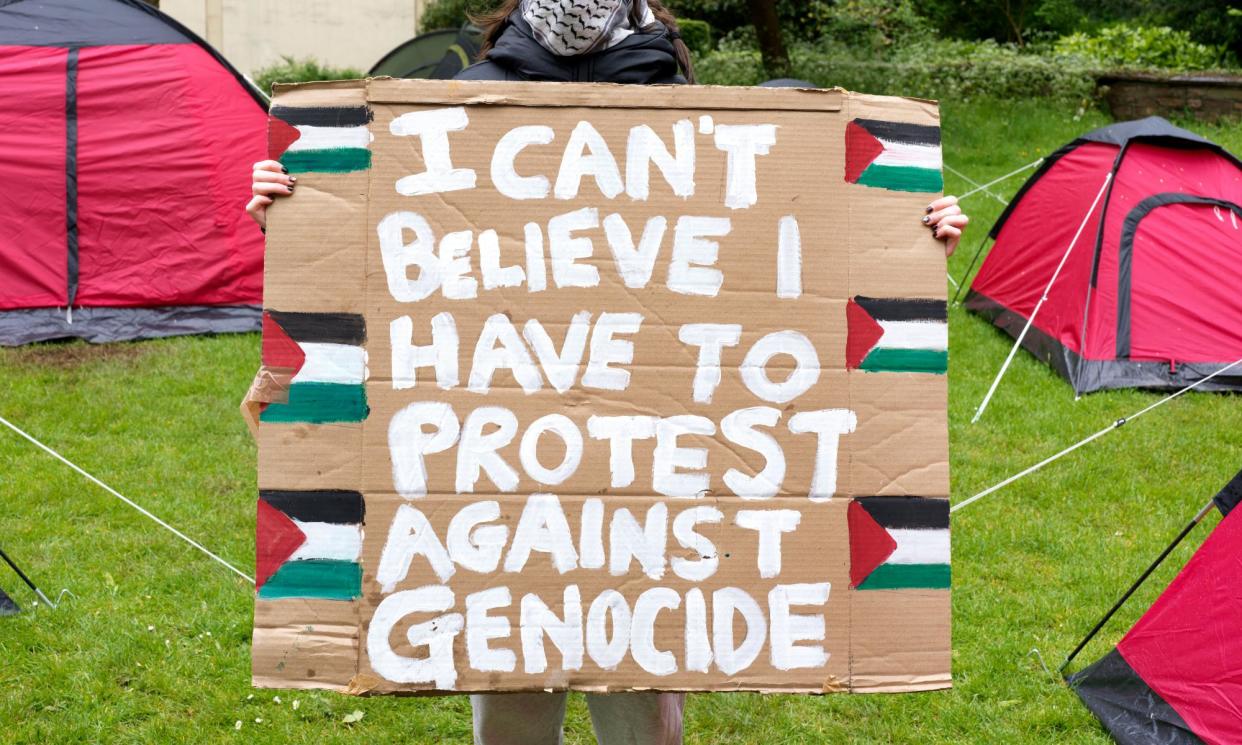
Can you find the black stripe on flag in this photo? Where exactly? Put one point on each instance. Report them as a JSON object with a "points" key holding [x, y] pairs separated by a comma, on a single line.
{"points": [[324, 328], [910, 513], [904, 309], [327, 506], [911, 134], [323, 116]]}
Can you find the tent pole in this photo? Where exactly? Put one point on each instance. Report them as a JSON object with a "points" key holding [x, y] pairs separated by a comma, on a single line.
{"points": [[25, 579], [1043, 298], [1198, 518], [973, 260]]}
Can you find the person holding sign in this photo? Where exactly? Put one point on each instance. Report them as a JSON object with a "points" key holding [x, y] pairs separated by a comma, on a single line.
{"points": [[617, 41]]}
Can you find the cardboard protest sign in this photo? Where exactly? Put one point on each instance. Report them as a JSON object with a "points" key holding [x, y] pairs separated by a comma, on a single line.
{"points": [[603, 388]]}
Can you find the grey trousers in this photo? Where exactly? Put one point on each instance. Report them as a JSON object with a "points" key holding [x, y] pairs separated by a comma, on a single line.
{"points": [[618, 718]]}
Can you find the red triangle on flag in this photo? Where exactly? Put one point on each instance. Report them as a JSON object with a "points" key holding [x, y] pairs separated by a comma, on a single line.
{"points": [[276, 537], [861, 149], [870, 543], [863, 333], [280, 135], [279, 349]]}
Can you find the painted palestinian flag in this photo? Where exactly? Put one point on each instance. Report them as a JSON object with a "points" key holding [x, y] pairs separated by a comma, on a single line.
{"points": [[893, 155], [899, 543], [308, 544], [320, 139], [897, 335], [329, 362]]}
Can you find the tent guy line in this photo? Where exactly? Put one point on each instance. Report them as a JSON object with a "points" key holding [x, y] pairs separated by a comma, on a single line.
{"points": [[973, 183], [1115, 425], [1043, 298], [995, 181], [126, 500]]}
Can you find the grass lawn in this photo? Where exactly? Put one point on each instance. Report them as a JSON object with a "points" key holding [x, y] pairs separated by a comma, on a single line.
{"points": [[154, 648]]}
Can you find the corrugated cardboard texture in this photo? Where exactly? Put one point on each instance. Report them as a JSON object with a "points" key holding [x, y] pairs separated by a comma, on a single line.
{"points": [[716, 554]]}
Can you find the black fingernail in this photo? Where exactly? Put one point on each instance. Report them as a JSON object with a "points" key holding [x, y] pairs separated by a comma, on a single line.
{"points": [[928, 210], [926, 220], [286, 170]]}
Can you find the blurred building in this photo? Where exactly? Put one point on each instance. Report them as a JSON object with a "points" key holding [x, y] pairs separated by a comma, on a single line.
{"points": [[342, 33]]}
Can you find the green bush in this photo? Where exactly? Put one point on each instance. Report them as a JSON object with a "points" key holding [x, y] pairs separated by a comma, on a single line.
{"points": [[441, 14], [1121, 45], [300, 70], [696, 34], [940, 70]]}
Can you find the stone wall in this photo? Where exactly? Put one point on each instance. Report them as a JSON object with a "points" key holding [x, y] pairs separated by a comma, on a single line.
{"points": [[1206, 98]]}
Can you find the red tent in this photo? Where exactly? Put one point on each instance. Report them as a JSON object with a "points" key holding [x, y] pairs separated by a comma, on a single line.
{"points": [[1176, 677], [1149, 295], [125, 147]]}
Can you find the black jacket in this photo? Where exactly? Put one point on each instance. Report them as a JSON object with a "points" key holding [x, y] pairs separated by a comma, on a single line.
{"points": [[642, 58]]}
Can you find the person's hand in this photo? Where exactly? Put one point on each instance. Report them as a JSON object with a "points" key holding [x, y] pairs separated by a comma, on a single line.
{"points": [[270, 180], [947, 222], [271, 385]]}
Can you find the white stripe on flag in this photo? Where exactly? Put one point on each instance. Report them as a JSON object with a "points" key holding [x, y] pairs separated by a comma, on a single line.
{"points": [[332, 363], [329, 541], [916, 156], [919, 546], [324, 138], [914, 335]]}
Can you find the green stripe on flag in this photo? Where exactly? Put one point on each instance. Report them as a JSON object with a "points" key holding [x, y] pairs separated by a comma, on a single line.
{"points": [[319, 403], [902, 178], [906, 360], [320, 579], [908, 577], [333, 160]]}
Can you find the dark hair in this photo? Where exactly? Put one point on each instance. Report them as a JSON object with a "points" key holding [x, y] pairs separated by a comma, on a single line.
{"points": [[493, 23]]}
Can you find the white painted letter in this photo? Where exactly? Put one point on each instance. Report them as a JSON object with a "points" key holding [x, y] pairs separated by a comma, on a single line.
{"points": [[575, 164], [432, 128], [788, 628], [408, 357], [829, 424], [437, 636], [513, 354], [477, 449], [642, 636], [542, 527], [628, 540], [481, 628], [410, 535], [634, 264], [710, 338], [538, 619], [646, 147], [743, 142], [706, 559], [471, 543], [606, 350], [408, 442], [563, 427], [805, 374], [561, 369], [739, 427], [621, 432], [668, 457], [692, 272], [725, 601], [769, 524], [505, 176]]}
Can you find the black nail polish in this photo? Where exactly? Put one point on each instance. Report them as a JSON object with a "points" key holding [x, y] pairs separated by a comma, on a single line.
{"points": [[929, 209], [286, 170]]}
